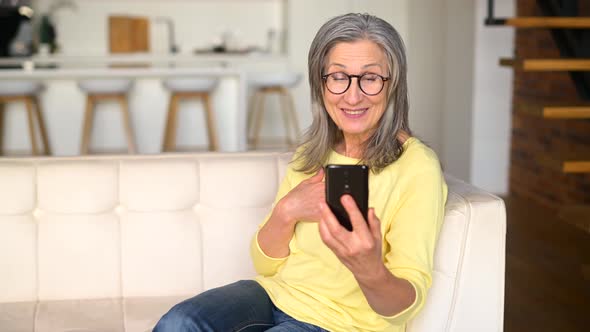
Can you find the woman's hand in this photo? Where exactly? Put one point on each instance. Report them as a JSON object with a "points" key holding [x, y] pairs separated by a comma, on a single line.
{"points": [[359, 250], [301, 203]]}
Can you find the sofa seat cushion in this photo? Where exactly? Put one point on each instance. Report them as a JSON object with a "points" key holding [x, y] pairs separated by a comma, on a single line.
{"points": [[135, 314]]}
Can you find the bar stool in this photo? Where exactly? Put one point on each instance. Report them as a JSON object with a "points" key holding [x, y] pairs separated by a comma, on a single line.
{"points": [[99, 90], [25, 91], [189, 88], [264, 85]]}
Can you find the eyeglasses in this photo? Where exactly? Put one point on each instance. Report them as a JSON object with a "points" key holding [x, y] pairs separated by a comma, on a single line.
{"points": [[369, 83]]}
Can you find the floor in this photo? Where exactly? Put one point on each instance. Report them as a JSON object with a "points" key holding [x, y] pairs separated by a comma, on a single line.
{"points": [[547, 271]]}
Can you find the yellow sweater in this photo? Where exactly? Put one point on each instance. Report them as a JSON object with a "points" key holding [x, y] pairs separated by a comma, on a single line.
{"points": [[313, 286]]}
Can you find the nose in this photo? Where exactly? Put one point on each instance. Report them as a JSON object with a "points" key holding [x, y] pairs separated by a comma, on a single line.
{"points": [[353, 95]]}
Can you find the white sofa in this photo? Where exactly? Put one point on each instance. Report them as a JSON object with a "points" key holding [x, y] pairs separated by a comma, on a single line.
{"points": [[111, 243]]}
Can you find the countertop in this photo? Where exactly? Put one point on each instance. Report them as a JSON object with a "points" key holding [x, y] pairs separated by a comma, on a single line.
{"points": [[135, 66], [143, 58]]}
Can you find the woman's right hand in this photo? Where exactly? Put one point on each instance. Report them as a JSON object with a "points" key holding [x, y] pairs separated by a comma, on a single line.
{"points": [[302, 202]]}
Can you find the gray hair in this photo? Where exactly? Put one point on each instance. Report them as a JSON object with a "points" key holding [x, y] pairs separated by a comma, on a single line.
{"points": [[382, 148]]}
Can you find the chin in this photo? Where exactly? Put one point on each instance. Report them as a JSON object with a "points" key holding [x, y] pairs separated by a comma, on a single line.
{"points": [[354, 131]]}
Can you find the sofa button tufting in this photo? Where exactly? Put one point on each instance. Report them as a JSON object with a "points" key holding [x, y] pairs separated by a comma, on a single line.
{"points": [[120, 209], [37, 213]]}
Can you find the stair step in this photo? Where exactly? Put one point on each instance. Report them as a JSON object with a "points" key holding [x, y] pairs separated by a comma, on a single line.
{"points": [[569, 162], [555, 110], [549, 22], [576, 166], [577, 215], [566, 112], [547, 64]]}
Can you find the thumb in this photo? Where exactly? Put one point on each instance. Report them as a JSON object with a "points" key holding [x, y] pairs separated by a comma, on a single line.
{"points": [[318, 177]]}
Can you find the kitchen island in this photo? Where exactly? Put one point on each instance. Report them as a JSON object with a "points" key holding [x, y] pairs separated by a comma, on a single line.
{"points": [[63, 102]]}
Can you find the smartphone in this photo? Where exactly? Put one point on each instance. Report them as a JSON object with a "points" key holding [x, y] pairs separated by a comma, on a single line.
{"points": [[347, 179]]}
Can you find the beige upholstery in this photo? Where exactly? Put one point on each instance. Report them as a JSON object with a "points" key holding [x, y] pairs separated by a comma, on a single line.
{"points": [[111, 243]]}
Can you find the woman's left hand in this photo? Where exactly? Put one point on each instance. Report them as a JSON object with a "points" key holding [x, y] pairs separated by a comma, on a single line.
{"points": [[359, 250]]}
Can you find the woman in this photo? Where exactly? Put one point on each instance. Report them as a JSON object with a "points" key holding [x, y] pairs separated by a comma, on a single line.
{"points": [[314, 275]]}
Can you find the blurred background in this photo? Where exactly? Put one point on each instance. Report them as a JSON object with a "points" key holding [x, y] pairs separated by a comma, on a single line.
{"points": [[518, 132], [460, 99]]}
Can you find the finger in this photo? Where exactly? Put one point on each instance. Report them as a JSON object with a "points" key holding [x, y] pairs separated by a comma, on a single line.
{"points": [[374, 225], [327, 237], [357, 219], [338, 234]]}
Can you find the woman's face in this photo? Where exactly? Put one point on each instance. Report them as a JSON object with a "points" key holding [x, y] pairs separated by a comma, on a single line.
{"points": [[354, 112]]}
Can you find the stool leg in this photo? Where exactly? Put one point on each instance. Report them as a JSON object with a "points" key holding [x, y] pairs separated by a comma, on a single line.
{"points": [[1, 128], [173, 118], [127, 124], [285, 110], [258, 120], [252, 108], [209, 117], [293, 113], [42, 129], [87, 126], [32, 130], [168, 128]]}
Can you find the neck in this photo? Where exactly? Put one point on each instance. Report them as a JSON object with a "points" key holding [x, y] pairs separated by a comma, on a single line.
{"points": [[352, 146]]}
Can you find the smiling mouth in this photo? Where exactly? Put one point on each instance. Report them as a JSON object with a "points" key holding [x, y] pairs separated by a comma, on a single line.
{"points": [[354, 112]]}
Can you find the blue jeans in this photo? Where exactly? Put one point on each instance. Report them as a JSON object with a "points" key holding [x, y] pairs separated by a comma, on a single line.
{"points": [[242, 306]]}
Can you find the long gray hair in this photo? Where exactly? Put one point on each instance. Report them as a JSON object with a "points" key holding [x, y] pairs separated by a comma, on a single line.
{"points": [[382, 148]]}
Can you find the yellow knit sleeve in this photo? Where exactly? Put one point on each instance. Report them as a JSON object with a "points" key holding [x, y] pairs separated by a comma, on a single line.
{"points": [[413, 233], [263, 264]]}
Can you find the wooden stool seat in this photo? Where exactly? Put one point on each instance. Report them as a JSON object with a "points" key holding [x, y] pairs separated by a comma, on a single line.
{"points": [[106, 90], [106, 86], [264, 85], [25, 92], [189, 88]]}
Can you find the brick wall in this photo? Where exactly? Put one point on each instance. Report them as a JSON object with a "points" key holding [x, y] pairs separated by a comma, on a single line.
{"points": [[534, 172]]}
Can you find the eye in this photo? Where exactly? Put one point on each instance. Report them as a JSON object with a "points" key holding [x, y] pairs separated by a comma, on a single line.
{"points": [[371, 77], [339, 77]]}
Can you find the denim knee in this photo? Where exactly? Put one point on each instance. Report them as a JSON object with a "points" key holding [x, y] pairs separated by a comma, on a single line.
{"points": [[177, 320]]}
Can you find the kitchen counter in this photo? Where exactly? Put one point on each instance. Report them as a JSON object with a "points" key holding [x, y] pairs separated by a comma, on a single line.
{"points": [[130, 71], [221, 59], [63, 102]]}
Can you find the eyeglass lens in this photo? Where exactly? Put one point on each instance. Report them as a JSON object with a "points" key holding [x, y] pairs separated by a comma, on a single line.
{"points": [[370, 84]]}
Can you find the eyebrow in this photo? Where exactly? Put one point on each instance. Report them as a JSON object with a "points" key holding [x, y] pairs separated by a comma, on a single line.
{"points": [[365, 66]]}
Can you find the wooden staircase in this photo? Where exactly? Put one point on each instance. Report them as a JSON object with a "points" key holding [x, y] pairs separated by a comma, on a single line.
{"points": [[549, 22], [556, 110], [572, 36], [547, 64]]}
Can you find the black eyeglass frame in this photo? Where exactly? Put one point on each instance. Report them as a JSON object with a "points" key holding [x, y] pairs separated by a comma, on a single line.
{"points": [[358, 81]]}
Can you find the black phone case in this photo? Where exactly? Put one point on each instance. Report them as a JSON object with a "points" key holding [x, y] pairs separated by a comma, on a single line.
{"points": [[347, 179]]}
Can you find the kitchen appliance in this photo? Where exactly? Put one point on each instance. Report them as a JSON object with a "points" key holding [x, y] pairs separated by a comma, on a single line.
{"points": [[16, 37]]}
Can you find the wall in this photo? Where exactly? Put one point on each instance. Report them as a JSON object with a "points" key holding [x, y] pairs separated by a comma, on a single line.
{"points": [[457, 103], [492, 87], [426, 69], [84, 30]]}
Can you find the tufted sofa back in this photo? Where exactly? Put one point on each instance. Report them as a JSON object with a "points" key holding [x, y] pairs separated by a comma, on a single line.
{"points": [[174, 225]]}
